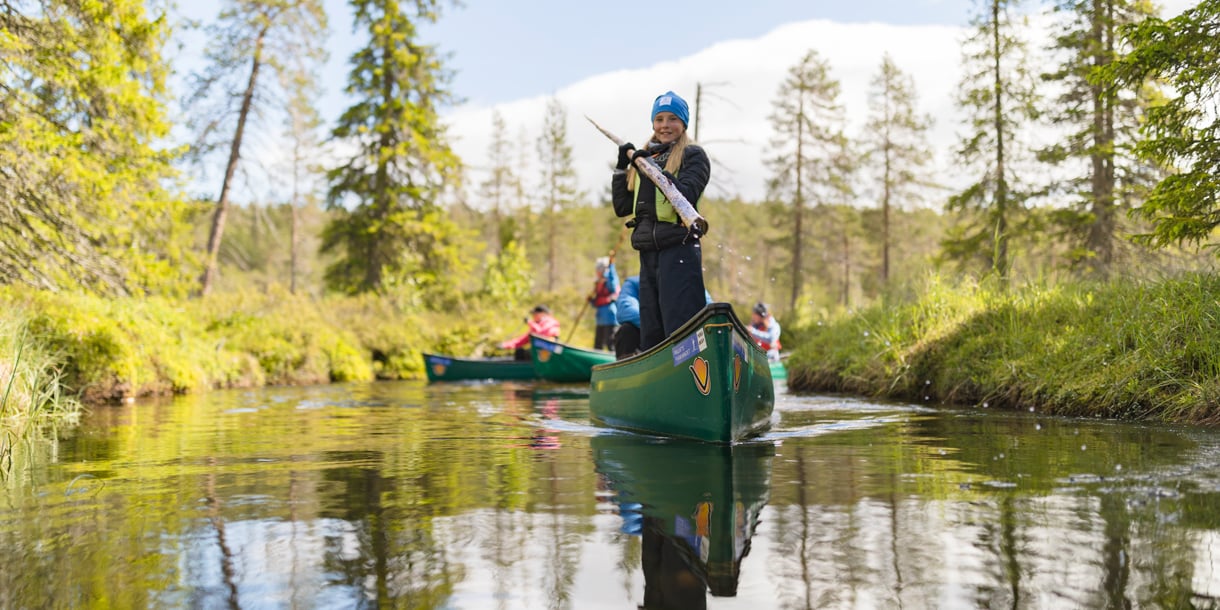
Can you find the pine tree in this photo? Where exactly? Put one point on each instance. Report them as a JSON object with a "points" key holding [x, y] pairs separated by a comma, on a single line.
{"points": [[895, 139], [1103, 121], [807, 120], [497, 189], [558, 185], [388, 227], [302, 124], [250, 36], [998, 93]]}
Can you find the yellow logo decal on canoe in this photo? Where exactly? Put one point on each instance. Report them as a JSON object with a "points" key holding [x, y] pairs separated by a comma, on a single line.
{"points": [[544, 355], [703, 519], [736, 372], [438, 369], [703, 375]]}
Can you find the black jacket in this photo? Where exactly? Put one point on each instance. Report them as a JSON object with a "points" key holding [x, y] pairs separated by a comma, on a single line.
{"points": [[650, 233]]}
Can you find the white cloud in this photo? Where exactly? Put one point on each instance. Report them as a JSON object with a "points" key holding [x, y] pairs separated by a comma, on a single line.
{"points": [[740, 78]]}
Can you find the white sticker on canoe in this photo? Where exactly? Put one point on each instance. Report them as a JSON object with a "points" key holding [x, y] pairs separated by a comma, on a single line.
{"points": [[687, 348]]}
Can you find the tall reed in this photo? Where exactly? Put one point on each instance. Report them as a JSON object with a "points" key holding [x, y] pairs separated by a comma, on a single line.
{"points": [[31, 389]]}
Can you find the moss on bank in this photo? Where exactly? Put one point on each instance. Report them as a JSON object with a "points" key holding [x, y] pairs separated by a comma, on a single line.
{"points": [[1134, 350]]}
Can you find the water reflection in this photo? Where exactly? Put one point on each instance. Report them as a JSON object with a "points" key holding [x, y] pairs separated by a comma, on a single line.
{"points": [[695, 505], [503, 496]]}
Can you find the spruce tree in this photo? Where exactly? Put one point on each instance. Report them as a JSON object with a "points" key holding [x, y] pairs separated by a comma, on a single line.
{"points": [[388, 227], [1181, 134], [1102, 179], [83, 174]]}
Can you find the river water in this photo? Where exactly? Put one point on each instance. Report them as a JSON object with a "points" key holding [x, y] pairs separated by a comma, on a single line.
{"points": [[505, 496]]}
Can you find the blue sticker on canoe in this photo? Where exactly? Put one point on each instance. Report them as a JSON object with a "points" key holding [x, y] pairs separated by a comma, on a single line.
{"points": [[547, 345], [687, 348], [439, 360]]}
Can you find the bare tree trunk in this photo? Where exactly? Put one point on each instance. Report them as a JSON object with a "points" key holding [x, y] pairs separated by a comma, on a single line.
{"points": [[294, 234], [798, 206], [1101, 231], [1000, 260], [222, 203]]}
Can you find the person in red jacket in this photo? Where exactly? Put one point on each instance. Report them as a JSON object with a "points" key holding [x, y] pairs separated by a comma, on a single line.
{"points": [[540, 322]]}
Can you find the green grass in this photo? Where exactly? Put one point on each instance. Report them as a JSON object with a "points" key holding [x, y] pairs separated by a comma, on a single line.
{"points": [[31, 388], [1135, 350]]}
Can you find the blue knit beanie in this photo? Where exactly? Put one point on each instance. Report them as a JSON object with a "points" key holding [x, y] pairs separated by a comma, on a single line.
{"points": [[671, 102]]}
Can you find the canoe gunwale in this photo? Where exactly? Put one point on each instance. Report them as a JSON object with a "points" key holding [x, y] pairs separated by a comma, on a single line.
{"points": [[696, 322]]}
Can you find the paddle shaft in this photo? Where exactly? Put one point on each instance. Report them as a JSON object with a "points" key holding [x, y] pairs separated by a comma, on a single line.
{"points": [[690, 216]]}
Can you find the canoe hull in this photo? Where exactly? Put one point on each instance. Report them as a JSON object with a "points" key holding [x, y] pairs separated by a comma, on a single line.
{"points": [[448, 368], [555, 361], [707, 382]]}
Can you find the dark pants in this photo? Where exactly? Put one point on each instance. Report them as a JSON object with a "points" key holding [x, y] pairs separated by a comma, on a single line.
{"points": [[603, 338], [671, 290], [626, 341], [522, 353]]}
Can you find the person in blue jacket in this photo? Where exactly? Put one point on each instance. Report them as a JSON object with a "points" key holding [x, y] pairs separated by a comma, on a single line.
{"points": [[627, 339], [605, 292]]}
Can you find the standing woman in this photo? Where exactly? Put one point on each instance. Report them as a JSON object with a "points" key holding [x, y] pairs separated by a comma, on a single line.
{"points": [[671, 259]]}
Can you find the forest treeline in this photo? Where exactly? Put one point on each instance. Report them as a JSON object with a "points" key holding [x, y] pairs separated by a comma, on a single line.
{"points": [[1090, 160]]}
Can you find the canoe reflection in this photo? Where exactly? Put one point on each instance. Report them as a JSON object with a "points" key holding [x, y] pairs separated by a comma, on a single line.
{"points": [[696, 506]]}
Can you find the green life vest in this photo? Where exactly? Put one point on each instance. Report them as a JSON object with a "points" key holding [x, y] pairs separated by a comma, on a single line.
{"points": [[665, 209]]}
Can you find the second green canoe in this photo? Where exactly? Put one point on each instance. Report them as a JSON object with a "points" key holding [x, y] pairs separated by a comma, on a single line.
{"points": [[555, 361]]}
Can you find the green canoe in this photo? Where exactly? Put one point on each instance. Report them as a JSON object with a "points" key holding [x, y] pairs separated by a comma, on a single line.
{"points": [[708, 381], [555, 361], [448, 368], [696, 506], [778, 371]]}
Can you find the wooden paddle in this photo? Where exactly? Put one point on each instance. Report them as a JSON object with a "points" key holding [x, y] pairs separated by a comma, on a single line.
{"points": [[694, 222]]}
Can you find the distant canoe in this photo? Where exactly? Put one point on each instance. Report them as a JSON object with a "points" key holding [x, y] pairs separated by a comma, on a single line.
{"points": [[449, 368], [555, 361], [779, 372], [708, 381]]}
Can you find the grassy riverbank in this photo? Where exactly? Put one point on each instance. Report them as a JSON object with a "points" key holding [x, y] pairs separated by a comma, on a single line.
{"points": [[1136, 350], [1133, 350], [117, 349]]}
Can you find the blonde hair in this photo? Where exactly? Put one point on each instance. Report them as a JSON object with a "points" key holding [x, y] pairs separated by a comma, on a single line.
{"points": [[671, 165]]}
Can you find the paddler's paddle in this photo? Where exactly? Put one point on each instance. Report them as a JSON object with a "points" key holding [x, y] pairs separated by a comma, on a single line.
{"points": [[695, 223]]}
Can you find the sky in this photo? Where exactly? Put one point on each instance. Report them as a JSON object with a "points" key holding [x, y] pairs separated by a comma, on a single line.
{"points": [[608, 61]]}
